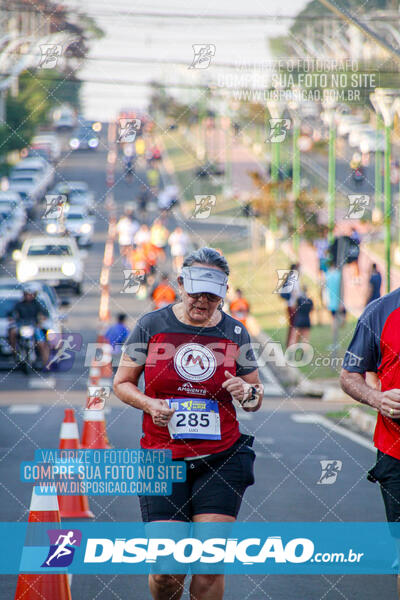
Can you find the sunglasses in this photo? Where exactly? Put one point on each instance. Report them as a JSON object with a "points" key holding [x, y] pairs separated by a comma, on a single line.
{"points": [[210, 297]]}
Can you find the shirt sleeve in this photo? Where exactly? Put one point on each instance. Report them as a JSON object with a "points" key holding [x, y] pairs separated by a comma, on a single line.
{"points": [[246, 361], [363, 353], [136, 346]]}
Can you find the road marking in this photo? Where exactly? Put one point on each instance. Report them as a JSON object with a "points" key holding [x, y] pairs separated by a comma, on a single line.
{"points": [[41, 383], [265, 440], [320, 420], [24, 409]]}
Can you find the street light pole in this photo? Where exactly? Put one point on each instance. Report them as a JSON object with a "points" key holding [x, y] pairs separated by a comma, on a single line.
{"points": [[378, 168], [329, 104], [385, 102], [294, 105], [387, 204], [275, 108]]}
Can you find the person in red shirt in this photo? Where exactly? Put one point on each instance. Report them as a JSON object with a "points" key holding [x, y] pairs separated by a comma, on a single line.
{"points": [[375, 349], [196, 360]]}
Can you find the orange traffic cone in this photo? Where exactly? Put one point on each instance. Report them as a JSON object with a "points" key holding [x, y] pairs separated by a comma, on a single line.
{"points": [[72, 507], [43, 509], [94, 373], [94, 434]]}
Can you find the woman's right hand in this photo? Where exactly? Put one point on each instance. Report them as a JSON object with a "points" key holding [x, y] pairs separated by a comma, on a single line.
{"points": [[159, 411]]}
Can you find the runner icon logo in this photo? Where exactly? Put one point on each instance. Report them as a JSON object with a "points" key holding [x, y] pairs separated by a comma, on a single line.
{"points": [[62, 547], [330, 471], [195, 362]]}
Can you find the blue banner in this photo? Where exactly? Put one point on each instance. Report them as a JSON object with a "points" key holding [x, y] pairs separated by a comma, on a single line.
{"points": [[249, 548]]}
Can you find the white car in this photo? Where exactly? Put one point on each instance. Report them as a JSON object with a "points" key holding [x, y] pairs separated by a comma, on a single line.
{"points": [[35, 166], [347, 122], [79, 224], [29, 188], [372, 142], [14, 202], [50, 143], [78, 193], [56, 261], [357, 132]]}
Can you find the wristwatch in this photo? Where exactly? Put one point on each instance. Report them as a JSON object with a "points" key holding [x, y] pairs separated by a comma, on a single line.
{"points": [[253, 394]]}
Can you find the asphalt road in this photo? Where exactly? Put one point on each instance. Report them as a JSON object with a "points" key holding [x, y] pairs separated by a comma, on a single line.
{"points": [[288, 452]]}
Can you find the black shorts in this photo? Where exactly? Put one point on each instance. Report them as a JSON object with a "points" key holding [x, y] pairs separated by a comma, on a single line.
{"points": [[387, 473], [214, 484]]}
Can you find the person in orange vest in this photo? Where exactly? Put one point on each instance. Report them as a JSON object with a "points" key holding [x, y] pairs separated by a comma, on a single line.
{"points": [[163, 293], [239, 307]]}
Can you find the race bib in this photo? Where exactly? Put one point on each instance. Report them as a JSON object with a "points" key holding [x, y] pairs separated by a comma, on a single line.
{"points": [[195, 419]]}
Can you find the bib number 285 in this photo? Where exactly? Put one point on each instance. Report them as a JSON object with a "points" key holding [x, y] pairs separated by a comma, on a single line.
{"points": [[192, 419]]}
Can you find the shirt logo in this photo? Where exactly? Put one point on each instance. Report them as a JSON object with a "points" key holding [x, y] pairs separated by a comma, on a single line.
{"points": [[188, 388], [195, 362]]}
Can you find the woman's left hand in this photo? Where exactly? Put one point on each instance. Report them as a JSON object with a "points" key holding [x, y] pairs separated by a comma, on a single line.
{"points": [[236, 386]]}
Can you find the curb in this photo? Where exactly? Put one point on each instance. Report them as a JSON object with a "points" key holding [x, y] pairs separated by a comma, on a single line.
{"points": [[362, 420]]}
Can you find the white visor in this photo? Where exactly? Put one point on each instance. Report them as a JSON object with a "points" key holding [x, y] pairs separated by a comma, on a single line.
{"points": [[204, 279]]}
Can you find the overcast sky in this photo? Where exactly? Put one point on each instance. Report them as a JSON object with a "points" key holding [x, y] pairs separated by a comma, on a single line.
{"points": [[128, 38]]}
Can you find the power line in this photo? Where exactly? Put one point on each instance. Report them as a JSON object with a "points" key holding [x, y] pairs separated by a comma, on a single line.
{"points": [[390, 17]]}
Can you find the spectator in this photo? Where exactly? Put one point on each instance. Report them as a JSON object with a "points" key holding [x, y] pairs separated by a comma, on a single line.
{"points": [[333, 284], [322, 245], [293, 292], [117, 333], [355, 236], [179, 243], [375, 282], [301, 320]]}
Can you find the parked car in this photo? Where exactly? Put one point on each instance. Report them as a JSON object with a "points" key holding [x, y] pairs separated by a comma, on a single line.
{"points": [[30, 190], [10, 226], [79, 224], [54, 260], [10, 283], [14, 202], [77, 192], [84, 138], [64, 118], [48, 142], [35, 166]]}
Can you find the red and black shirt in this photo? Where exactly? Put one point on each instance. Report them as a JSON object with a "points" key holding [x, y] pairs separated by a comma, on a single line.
{"points": [[376, 347], [184, 361]]}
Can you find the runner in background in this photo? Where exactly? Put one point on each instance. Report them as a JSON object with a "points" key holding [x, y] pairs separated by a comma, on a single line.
{"points": [[142, 235], [117, 333], [159, 234], [163, 293], [179, 243], [239, 307], [127, 227]]}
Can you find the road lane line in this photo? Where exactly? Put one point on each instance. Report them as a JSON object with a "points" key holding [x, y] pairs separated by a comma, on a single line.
{"points": [[24, 409], [320, 420]]}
